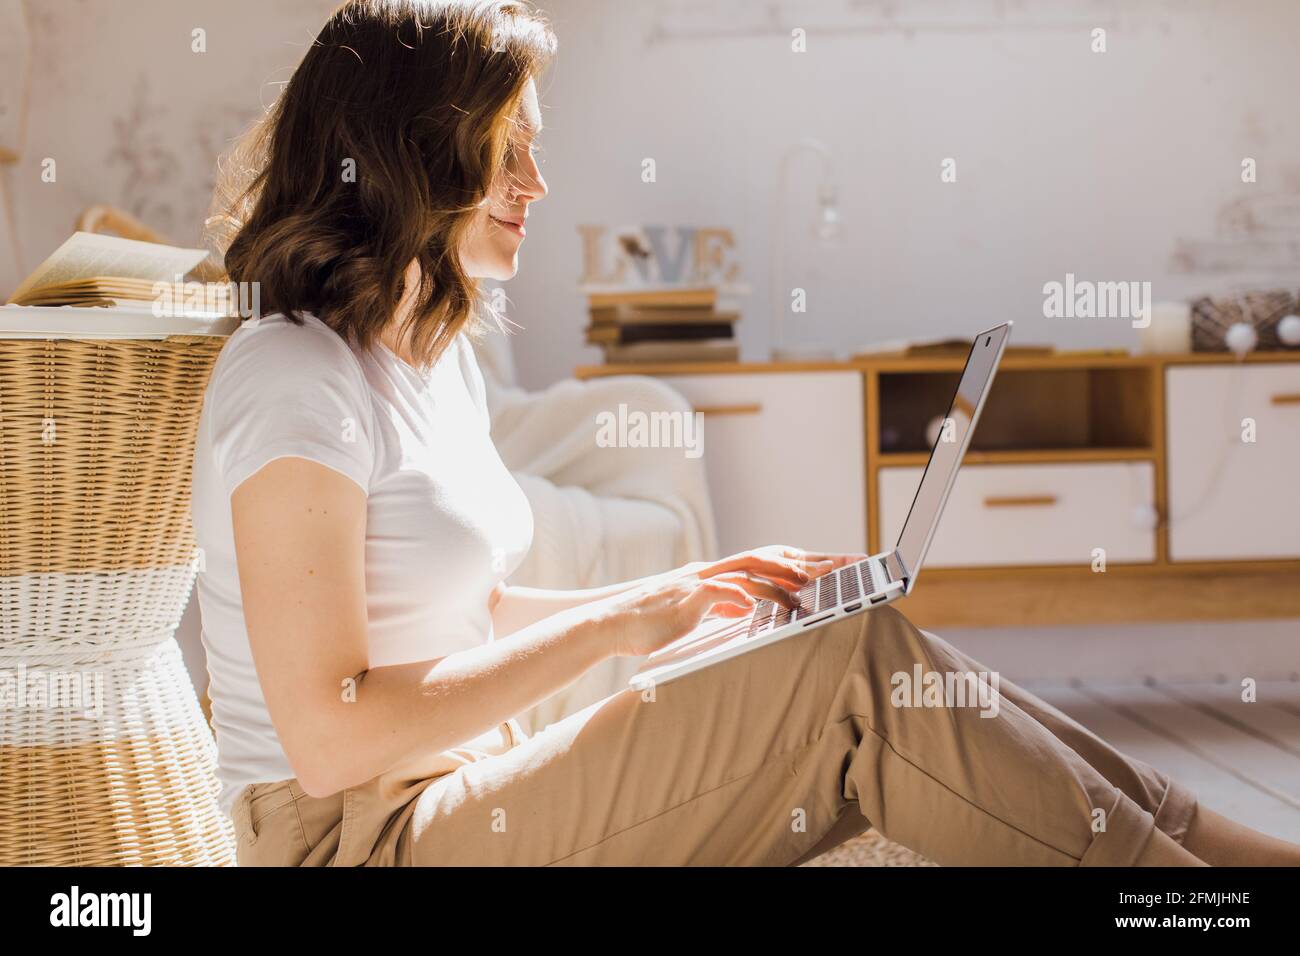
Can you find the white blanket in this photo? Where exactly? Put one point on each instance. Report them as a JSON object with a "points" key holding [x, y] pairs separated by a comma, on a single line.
{"points": [[548, 440]]}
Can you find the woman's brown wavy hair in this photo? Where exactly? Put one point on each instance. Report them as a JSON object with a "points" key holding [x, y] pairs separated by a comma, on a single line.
{"points": [[418, 98]]}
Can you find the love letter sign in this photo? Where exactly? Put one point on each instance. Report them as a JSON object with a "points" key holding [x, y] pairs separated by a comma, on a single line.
{"points": [[692, 256]]}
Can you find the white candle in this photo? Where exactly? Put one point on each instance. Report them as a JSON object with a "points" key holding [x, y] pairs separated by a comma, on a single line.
{"points": [[1170, 330]]}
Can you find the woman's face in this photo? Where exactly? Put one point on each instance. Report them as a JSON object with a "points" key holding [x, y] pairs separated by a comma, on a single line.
{"points": [[491, 248]]}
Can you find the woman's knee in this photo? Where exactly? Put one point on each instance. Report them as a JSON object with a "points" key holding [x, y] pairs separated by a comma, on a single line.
{"points": [[914, 664], [876, 646], [892, 643]]}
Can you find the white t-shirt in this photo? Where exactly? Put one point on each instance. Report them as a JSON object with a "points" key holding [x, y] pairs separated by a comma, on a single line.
{"points": [[445, 520]]}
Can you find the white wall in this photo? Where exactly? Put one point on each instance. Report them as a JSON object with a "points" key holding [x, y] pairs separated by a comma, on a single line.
{"points": [[1067, 160]]}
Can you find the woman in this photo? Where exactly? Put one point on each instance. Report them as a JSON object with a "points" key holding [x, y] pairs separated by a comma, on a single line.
{"points": [[367, 658]]}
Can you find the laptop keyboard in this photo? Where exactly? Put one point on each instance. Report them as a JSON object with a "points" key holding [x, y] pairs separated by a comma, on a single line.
{"points": [[830, 590]]}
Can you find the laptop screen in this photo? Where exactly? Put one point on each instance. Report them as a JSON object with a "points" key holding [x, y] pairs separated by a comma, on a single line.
{"points": [[946, 456]]}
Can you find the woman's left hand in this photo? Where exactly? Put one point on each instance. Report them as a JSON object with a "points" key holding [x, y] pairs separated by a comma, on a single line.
{"points": [[787, 567]]}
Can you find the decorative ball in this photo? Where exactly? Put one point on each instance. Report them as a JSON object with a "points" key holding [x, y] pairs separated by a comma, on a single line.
{"points": [[1288, 330], [1145, 517], [1241, 338]]}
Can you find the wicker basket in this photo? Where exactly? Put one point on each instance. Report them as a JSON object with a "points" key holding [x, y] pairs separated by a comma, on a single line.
{"points": [[105, 758]]}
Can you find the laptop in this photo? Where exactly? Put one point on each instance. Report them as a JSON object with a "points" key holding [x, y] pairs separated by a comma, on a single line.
{"points": [[855, 588]]}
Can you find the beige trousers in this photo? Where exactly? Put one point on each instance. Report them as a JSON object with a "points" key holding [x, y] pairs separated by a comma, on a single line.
{"points": [[768, 758]]}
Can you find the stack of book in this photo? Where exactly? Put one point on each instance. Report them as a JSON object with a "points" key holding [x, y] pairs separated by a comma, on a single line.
{"points": [[96, 291], [97, 271], [662, 325]]}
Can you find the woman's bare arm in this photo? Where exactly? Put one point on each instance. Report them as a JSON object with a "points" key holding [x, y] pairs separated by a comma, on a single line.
{"points": [[300, 533], [300, 538]]}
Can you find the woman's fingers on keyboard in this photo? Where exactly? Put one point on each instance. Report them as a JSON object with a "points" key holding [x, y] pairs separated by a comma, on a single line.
{"points": [[761, 587], [829, 561]]}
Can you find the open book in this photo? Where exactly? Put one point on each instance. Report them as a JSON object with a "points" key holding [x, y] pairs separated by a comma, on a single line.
{"points": [[96, 270]]}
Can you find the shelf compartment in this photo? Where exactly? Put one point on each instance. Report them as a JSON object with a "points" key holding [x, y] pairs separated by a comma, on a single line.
{"points": [[1096, 413]]}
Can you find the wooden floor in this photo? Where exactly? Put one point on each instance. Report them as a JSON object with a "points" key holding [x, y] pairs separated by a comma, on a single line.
{"points": [[1241, 759]]}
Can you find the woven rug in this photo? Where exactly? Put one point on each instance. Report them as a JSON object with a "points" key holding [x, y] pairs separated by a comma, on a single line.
{"points": [[870, 849]]}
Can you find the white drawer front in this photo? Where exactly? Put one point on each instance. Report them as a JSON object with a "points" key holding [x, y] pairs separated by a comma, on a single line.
{"points": [[784, 456], [1229, 498], [1031, 514]]}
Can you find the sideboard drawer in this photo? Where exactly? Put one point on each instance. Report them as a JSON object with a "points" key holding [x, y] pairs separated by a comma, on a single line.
{"points": [[784, 456], [1229, 498], [1031, 514]]}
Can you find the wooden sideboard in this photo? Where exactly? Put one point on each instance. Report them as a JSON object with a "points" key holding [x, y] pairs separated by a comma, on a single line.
{"points": [[1145, 457]]}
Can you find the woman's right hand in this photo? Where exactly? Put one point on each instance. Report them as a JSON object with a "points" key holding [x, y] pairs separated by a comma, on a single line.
{"points": [[653, 616]]}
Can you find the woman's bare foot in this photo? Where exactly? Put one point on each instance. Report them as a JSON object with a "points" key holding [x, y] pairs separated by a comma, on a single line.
{"points": [[1223, 842]]}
